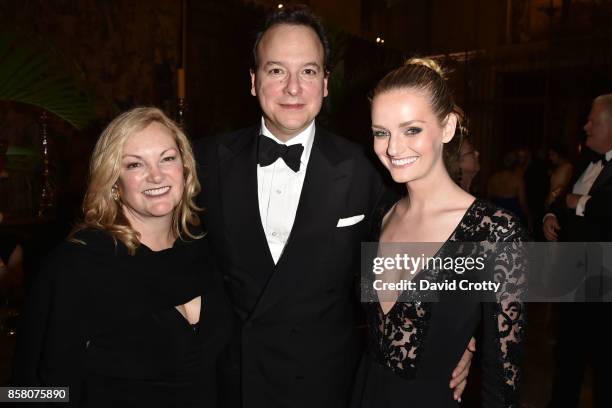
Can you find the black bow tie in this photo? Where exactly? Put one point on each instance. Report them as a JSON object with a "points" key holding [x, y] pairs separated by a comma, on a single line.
{"points": [[269, 151], [599, 158]]}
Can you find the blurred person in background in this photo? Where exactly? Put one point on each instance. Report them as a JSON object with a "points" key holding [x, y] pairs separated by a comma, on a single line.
{"points": [[560, 175], [506, 188], [469, 163]]}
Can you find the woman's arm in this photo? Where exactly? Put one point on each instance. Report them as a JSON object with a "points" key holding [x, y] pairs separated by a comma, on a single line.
{"points": [[561, 178], [559, 182], [504, 319]]}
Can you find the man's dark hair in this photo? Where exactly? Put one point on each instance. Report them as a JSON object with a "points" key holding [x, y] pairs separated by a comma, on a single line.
{"points": [[298, 15]]}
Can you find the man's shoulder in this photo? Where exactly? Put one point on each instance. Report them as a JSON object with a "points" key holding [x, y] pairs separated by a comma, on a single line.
{"points": [[231, 140], [341, 149], [343, 145], [234, 135], [337, 139]]}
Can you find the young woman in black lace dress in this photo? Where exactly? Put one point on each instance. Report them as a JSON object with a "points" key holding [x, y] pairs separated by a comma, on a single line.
{"points": [[413, 344]]}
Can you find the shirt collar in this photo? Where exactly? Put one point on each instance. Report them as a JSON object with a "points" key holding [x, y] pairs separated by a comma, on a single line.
{"points": [[609, 155], [305, 137]]}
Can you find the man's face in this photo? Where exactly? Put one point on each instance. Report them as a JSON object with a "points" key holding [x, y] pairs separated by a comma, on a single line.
{"points": [[290, 81], [599, 129]]}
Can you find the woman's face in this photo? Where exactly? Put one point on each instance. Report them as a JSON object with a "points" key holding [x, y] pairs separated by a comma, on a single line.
{"points": [[151, 182], [408, 137], [469, 158]]}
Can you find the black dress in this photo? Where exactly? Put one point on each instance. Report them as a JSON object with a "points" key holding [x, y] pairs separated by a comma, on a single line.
{"points": [[414, 348], [104, 323]]}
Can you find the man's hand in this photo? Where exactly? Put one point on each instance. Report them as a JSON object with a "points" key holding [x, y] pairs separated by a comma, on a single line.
{"points": [[550, 228], [460, 373], [571, 200]]}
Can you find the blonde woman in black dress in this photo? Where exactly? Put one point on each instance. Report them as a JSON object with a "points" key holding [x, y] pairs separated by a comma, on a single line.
{"points": [[128, 312]]}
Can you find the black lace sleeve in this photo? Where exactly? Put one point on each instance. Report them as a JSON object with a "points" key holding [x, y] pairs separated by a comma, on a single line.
{"points": [[504, 319]]}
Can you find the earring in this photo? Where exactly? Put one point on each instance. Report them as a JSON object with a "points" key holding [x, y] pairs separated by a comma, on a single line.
{"points": [[115, 193]]}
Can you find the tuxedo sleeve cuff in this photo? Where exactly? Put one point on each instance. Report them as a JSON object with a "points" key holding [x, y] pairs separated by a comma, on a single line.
{"points": [[581, 204]]}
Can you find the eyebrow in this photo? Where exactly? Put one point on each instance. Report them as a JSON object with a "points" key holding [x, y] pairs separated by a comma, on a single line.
{"points": [[316, 64], [410, 122], [139, 157], [403, 124]]}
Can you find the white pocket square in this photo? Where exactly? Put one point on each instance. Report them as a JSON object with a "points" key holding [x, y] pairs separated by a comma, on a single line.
{"points": [[347, 222]]}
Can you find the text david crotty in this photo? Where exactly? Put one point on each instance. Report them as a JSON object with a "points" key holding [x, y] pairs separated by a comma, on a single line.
{"points": [[462, 285]]}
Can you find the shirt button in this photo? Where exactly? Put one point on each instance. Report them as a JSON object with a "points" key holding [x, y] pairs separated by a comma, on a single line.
{"points": [[274, 234], [279, 192]]}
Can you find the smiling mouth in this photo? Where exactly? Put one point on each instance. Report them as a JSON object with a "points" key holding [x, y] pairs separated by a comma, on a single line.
{"points": [[403, 162], [293, 106], [153, 192]]}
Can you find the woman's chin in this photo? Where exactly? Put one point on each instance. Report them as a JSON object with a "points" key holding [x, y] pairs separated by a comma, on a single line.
{"points": [[162, 210], [401, 178]]}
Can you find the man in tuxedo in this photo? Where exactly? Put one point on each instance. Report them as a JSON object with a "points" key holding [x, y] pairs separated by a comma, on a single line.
{"points": [[585, 215], [286, 207]]}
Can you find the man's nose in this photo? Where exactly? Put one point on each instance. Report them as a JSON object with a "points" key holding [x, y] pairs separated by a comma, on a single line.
{"points": [[292, 87]]}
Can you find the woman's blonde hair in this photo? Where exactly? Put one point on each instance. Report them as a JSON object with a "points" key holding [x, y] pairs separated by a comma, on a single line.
{"points": [[102, 206]]}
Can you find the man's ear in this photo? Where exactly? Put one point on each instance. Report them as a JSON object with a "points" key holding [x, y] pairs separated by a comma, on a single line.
{"points": [[325, 80], [253, 80], [449, 128]]}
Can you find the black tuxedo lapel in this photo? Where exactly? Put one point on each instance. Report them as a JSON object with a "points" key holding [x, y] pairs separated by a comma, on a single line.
{"points": [[603, 178], [240, 204], [325, 185]]}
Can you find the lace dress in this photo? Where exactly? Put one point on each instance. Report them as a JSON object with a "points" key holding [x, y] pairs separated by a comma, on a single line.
{"points": [[414, 348]]}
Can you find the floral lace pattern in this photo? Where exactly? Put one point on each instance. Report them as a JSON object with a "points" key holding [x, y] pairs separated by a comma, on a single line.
{"points": [[397, 338]]}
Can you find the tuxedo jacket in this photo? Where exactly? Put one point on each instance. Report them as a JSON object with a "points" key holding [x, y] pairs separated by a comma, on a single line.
{"points": [[596, 224], [297, 343]]}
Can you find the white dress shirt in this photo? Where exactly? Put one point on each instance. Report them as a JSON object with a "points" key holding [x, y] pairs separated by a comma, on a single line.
{"points": [[279, 189], [585, 182]]}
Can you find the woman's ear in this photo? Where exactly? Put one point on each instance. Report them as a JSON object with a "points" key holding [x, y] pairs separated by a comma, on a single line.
{"points": [[448, 131]]}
